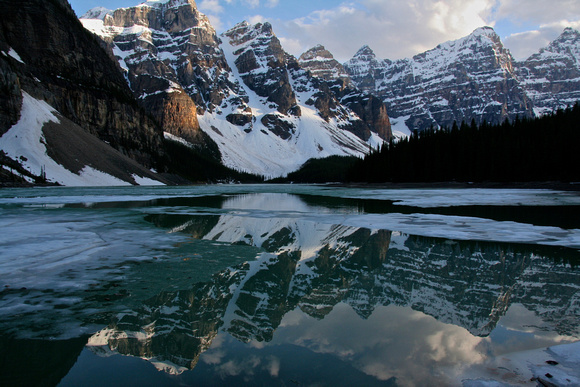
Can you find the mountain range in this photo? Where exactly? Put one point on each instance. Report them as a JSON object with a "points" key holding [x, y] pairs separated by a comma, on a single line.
{"points": [[100, 107]]}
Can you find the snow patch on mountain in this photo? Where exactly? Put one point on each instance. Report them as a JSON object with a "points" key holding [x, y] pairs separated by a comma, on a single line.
{"points": [[25, 143], [255, 147]]}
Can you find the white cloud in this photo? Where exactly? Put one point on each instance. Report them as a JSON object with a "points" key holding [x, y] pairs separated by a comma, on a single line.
{"points": [[252, 3], [524, 44], [212, 6], [397, 29], [256, 19], [215, 21], [392, 28], [538, 11]]}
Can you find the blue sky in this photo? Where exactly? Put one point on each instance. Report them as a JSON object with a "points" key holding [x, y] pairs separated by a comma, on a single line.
{"points": [[392, 28]]}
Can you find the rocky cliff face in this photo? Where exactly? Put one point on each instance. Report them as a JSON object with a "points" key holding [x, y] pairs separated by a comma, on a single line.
{"points": [[171, 59], [321, 64], [264, 112], [551, 77], [49, 54], [470, 78]]}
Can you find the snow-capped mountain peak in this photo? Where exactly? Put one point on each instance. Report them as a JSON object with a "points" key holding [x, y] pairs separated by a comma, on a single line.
{"points": [[321, 63], [97, 13]]}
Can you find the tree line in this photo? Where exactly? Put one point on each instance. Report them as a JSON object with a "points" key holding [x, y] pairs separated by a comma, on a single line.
{"points": [[530, 149]]}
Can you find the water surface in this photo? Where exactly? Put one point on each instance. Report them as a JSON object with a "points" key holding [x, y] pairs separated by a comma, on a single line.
{"points": [[281, 284]]}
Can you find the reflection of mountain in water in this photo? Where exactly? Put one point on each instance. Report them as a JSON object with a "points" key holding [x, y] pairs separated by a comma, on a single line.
{"points": [[314, 266]]}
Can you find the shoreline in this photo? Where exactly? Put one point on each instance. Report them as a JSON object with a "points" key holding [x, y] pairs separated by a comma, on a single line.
{"points": [[553, 185]]}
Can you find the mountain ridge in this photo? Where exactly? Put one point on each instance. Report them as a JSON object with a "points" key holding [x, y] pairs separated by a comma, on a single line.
{"points": [[447, 84]]}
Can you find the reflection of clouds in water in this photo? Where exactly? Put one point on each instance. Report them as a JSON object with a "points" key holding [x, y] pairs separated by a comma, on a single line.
{"points": [[521, 329], [273, 366], [217, 354], [394, 341], [267, 202], [248, 367], [235, 368]]}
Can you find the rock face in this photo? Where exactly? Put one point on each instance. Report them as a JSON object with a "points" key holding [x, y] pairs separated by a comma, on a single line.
{"points": [[262, 64], [470, 78], [321, 64], [551, 77], [265, 113], [47, 53], [171, 59]]}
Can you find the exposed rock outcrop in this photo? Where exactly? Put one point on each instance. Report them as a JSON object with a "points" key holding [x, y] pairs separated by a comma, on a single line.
{"points": [[551, 77], [373, 112], [321, 63], [250, 95]]}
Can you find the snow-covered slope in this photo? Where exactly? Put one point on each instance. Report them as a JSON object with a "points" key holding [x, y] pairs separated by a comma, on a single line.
{"points": [[27, 143], [66, 111], [266, 115], [283, 128]]}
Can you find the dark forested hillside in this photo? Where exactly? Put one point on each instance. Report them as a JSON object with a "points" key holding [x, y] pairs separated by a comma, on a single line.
{"points": [[541, 149]]}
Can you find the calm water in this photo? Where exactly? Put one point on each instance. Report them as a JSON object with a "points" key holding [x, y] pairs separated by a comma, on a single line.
{"points": [[280, 285]]}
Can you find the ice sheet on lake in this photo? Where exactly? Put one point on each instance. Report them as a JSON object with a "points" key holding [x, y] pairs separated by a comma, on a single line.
{"points": [[431, 198]]}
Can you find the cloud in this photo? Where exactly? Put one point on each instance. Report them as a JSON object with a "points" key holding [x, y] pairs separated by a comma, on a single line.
{"points": [[524, 44], [256, 19], [212, 6], [392, 28], [399, 334], [538, 11]]}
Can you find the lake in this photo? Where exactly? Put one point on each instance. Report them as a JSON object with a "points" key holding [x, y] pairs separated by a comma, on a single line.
{"points": [[283, 284]]}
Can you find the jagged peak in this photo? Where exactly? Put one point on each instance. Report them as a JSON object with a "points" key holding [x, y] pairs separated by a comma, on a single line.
{"points": [[568, 34], [244, 32], [318, 51], [485, 30], [97, 13], [570, 30], [170, 3], [365, 51], [567, 44]]}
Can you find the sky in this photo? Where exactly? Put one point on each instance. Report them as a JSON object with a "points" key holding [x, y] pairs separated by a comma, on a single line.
{"points": [[394, 29]]}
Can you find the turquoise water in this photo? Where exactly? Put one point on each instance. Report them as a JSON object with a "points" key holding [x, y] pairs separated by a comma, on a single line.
{"points": [[280, 284]]}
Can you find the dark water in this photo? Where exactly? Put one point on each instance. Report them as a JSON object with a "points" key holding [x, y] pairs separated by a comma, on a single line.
{"points": [[280, 285]]}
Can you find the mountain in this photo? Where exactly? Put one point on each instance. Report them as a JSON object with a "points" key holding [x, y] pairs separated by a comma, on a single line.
{"points": [[252, 99], [551, 77], [470, 78], [320, 63], [66, 113]]}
